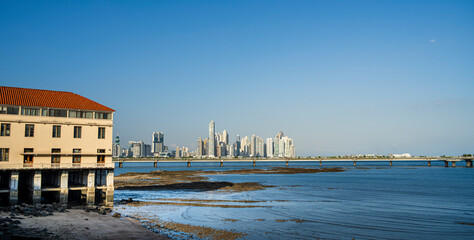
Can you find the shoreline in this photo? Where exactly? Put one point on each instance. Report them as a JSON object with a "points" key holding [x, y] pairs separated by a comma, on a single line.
{"points": [[197, 180]]}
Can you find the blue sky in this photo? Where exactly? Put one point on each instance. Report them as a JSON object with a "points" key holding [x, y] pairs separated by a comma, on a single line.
{"points": [[340, 77]]}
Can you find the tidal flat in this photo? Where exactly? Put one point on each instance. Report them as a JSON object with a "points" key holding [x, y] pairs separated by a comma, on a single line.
{"points": [[371, 202]]}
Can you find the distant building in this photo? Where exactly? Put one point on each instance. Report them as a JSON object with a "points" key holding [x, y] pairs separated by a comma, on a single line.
{"points": [[158, 142], [147, 152], [253, 146], [116, 148], [200, 148], [136, 148], [269, 146], [403, 155], [212, 136]]}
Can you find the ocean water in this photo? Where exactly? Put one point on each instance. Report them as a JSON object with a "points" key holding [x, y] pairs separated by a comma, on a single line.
{"points": [[370, 201]]}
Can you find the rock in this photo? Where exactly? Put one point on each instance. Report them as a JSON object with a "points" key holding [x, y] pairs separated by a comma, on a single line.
{"points": [[117, 215]]}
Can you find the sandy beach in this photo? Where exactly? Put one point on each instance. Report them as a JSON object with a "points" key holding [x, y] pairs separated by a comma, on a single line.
{"points": [[76, 224]]}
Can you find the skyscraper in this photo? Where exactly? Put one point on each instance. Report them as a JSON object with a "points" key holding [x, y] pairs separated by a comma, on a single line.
{"points": [[199, 148], [225, 137], [212, 137], [158, 141], [270, 147], [253, 146]]}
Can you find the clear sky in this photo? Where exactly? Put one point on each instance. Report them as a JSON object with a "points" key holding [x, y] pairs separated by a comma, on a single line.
{"points": [[340, 77]]}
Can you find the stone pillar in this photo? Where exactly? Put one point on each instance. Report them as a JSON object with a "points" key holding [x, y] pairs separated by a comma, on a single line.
{"points": [[429, 163], [109, 195], [37, 187], [91, 187], [446, 164], [189, 163], [63, 195], [14, 187], [390, 163], [155, 164], [320, 163], [287, 163], [120, 164], [453, 163], [254, 163], [468, 163], [222, 163], [354, 163]]}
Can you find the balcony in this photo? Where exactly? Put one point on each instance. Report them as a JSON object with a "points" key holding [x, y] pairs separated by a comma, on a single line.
{"points": [[12, 166]]}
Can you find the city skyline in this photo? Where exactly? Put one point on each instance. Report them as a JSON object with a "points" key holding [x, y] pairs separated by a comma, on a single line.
{"points": [[345, 77]]}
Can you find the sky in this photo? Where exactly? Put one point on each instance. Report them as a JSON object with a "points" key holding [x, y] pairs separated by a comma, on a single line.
{"points": [[339, 77]]}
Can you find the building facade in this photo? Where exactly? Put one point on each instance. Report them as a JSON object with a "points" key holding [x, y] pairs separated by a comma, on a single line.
{"points": [[212, 137], [54, 147]]}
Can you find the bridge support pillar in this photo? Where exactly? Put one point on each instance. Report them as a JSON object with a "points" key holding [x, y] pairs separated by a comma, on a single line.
{"points": [[155, 164], [429, 163], [120, 164], [320, 163], [354, 163], [468, 163], [222, 163], [189, 163], [254, 163], [390, 163], [453, 163], [287, 163], [446, 164]]}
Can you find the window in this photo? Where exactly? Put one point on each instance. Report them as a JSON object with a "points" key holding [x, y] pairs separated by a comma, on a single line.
{"points": [[28, 156], [80, 114], [100, 159], [5, 129], [54, 113], [9, 110], [76, 158], [100, 150], [55, 158], [99, 115], [30, 111], [56, 131], [4, 153], [101, 133], [77, 132], [29, 130]]}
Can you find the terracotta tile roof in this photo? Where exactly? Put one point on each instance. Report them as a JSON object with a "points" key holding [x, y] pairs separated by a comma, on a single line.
{"points": [[47, 98]]}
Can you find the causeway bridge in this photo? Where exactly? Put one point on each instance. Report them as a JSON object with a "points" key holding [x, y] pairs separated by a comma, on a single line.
{"points": [[254, 161]]}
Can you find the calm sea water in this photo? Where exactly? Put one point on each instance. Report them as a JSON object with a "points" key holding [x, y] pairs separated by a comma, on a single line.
{"points": [[372, 201]]}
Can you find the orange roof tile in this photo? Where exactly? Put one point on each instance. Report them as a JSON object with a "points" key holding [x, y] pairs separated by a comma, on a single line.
{"points": [[47, 98]]}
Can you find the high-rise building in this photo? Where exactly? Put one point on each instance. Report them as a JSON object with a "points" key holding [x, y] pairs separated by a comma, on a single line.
{"points": [[178, 152], [225, 137], [116, 148], [253, 146], [137, 149], [269, 147], [158, 141], [199, 148], [205, 146], [259, 150], [212, 137]]}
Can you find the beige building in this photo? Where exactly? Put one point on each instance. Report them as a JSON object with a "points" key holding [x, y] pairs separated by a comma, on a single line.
{"points": [[54, 147]]}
